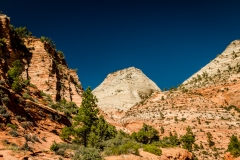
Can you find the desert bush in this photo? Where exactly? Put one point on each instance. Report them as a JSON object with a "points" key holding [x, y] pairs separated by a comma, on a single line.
{"points": [[54, 147], [5, 100], [3, 109], [168, 141], [152, 149], [27, 96], [48, 40], [12, 126], [28, 137], [35, 138], [87, 154], [209, 139], [26, 147], [130, 147], [25, 125], [14, 133], [146, 135], [20, 118], [61, 54], [68, 108]]}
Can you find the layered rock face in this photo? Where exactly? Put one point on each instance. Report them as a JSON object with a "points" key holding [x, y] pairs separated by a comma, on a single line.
{"points": [[123, 89], [224, 67], [42, 65]]}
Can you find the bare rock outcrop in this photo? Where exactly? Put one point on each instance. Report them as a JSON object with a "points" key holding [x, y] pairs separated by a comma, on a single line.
{"points": [[124, 88]]}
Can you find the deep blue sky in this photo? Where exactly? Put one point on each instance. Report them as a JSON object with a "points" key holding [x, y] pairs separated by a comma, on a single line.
{"points": [[168, 40]]}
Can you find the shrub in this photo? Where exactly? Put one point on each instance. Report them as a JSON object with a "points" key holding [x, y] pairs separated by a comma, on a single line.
{"points": [[54, 147], [87, 154], [152, 149], [26, 124], [26, 147], [130, 147], [44, 139], [20, 118], [209, 139], [35, 138], [12, 126], [171, 141], [14, 133], [48, 40], [5, 100], [61, 54], [146, 135], [23, 32], [28, 137], [3, 110], [16, 70], [27, 96]]}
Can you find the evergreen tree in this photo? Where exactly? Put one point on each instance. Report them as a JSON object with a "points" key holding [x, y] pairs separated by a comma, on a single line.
{"points": [[234, 146], [87, 128], [87, 117], [188, 139], [14, 75]]}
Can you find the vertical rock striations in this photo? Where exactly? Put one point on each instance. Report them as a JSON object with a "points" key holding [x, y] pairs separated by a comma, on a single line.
{"points": [[45, 68]]}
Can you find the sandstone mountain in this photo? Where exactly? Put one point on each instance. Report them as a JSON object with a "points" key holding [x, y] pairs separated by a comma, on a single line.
{"points": [[208, 102], [43, 65], [123, 89], [46, 88], [226, 66]]}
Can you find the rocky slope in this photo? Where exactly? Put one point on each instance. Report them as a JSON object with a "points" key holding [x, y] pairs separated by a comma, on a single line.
{"points": [[225, 66], [28, 123], [123, 89], [46, 69], [202, 103]]}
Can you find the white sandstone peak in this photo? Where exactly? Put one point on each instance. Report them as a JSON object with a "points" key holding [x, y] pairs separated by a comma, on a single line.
{"points": [[122, 89], [226, 65]]}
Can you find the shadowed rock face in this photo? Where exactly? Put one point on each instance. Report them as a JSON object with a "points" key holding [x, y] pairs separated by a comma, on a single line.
{"points": [[122, 89]]}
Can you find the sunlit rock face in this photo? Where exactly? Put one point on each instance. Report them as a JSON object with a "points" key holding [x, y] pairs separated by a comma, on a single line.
{"points": [[124, 88]]}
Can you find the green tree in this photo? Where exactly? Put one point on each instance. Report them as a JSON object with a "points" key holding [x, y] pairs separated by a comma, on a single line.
{"points": [[209, 139], [100, 132], [88, 129], [146, 135], [87, 116], [188, 139], [14, 76], [234, 146], [23, 32]]}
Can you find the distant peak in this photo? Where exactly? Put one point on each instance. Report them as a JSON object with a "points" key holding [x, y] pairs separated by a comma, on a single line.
{"points": [[129, 69]]}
